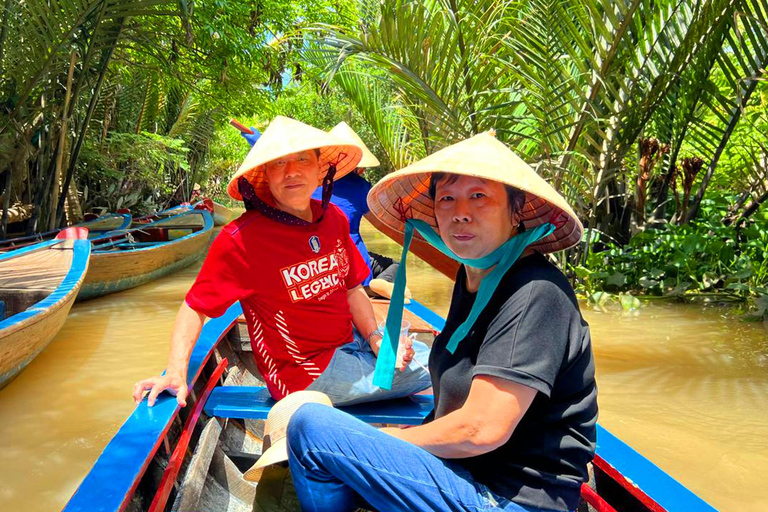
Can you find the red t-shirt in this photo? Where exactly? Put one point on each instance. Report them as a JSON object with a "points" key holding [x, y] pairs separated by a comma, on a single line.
{"points": [[292, 283]]}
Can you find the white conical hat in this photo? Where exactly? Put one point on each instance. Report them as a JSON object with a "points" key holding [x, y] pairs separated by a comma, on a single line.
{"points": [[345, 132], [285, 136], [276, 427], [405, 193]]}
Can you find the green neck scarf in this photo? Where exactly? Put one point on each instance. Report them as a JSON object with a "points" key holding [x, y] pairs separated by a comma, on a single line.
{"points": [[503, 257]]}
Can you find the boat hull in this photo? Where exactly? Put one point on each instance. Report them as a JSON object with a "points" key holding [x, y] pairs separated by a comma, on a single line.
{"points": [[129, 473], [221, 214], [116, 271], [25, 335]]}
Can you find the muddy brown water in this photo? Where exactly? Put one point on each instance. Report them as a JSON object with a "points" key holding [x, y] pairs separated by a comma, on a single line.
{"points": [[686, 386]]}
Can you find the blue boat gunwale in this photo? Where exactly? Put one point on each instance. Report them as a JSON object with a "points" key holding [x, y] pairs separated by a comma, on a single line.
{"points": [[118, 470], [206, 228], [102, 489], [81, 251], [127, 219]]}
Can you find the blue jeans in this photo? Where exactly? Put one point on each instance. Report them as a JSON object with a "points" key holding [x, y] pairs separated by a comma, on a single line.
{"points": [[339, 463], [348, 379]]}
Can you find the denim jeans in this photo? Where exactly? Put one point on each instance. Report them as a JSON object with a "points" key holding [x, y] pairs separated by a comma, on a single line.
{"points": [[348, 379], [338, 463]]}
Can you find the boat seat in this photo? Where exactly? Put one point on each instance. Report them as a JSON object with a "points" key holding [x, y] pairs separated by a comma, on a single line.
{"points": [[255, 402]]}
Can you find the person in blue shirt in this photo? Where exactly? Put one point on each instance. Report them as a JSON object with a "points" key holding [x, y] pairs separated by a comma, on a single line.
{"points": [[349, 194]]}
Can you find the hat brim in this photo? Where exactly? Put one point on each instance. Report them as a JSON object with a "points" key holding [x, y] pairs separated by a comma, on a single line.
{"points": [[405, 194], [285, 136], [345, 157], [278, 452]]}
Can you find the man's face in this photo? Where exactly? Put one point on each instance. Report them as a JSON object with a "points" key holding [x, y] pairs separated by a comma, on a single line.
{"points": [[292, 179]]}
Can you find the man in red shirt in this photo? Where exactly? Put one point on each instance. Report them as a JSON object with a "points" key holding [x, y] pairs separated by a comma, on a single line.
{"points": [[290, 262]]}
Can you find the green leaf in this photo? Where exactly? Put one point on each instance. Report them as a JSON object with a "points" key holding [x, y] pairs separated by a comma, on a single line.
{"points": [[648, 283], [617, 279], [629, 302], [600, 298]]}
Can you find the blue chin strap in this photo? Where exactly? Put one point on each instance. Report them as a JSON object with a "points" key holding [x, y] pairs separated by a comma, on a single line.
{"points": [[503, 258]]}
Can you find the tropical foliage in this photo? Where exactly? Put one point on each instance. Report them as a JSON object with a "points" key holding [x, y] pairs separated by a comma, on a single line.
{"points": [[573, 86], [651, 118], [94, 91]]}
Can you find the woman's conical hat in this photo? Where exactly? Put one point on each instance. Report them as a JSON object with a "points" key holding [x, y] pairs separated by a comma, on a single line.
{"points": [[285, 136], [345, 132], [405, 194]]}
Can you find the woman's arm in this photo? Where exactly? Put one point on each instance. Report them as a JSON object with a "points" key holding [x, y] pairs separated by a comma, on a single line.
{"points": [[486, 421]]}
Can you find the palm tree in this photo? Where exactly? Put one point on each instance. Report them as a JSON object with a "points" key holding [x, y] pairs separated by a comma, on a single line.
{"points": [[39, 43], [572, 85]]}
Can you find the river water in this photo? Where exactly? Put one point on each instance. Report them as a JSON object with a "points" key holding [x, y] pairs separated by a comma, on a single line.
{"points": [[686, 386]]}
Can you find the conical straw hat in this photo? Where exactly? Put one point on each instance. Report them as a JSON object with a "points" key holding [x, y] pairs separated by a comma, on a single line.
{"points": [[345, 132], [276, 428], [405, 193], [285, 136]]}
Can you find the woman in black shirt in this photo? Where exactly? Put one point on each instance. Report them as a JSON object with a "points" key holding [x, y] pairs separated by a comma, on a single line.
{"points": [[513, 375]]}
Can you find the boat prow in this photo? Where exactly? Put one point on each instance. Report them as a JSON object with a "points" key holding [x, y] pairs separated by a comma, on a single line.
{"points": [[38, 285]]}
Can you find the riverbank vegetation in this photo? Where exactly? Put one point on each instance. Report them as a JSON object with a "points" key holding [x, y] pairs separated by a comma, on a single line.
{"points": [[650, 118]]}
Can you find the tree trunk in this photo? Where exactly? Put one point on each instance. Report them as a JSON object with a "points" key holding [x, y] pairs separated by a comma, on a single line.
{"points": [[6, 203], [748, 211], [735, 116], [104, 65], [55, 190], [3, 34]]}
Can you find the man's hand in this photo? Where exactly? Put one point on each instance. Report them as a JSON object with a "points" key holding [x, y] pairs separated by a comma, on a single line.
{"points": [[405, 352], [156, 385]]}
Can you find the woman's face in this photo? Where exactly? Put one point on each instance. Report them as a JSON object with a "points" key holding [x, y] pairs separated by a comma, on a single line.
{"points": [[473, 215], [292, 179]]}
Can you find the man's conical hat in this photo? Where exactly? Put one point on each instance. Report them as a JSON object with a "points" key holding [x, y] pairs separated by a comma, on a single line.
{"points": [[285, 136], [405, 193], [345, 132]]}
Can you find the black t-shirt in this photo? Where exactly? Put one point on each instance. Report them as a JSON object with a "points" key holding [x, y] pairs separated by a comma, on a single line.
{"points": [[531, 332]]}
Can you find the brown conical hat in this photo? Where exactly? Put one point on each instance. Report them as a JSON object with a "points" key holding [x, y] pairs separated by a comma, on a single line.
{"points": [[345, 132], [405, 193], [285, 136]]}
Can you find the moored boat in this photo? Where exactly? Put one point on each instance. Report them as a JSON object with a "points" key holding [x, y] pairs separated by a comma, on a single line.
{"points": [[165, 458], [96, 227], [162, 214], [129, 258], [221, 214], [38, 285]]}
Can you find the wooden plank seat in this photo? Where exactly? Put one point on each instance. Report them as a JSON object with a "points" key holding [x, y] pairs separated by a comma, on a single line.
{"points": [[255, 402]]}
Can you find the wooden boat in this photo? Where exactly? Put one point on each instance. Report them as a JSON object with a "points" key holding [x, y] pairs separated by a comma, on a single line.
{"points": [[165, 458], [221, 214], [96, 227], [129, 258], [38, 285], [163, 214]]}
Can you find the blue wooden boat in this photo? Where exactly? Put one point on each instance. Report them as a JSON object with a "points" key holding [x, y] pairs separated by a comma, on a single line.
{"points": [[96, 228], [38, 285], [153, 464], [128, 258]]}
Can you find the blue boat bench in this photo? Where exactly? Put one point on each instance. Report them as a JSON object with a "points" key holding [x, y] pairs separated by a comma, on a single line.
{"points": [[255, 402]]}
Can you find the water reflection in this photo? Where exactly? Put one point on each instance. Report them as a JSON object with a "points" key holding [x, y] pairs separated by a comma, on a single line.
{"points": [[686, 386]]}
